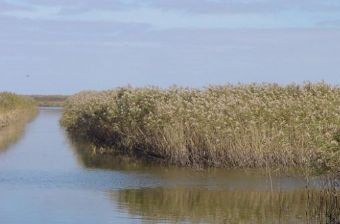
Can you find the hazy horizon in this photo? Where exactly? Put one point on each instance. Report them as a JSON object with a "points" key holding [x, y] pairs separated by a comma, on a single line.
{"points": [[63, 47]]}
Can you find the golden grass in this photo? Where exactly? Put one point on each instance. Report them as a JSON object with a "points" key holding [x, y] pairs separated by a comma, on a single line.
{"points": [[14, 107], [254, 125]]}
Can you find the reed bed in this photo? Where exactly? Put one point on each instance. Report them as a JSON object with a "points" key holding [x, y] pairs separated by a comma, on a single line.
{"points": [[252, 125], [15, 108]]}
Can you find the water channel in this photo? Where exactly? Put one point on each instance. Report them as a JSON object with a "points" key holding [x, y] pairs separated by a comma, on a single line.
{"points": [[46, 177]]}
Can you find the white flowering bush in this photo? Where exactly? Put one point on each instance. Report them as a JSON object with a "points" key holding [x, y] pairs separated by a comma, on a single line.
{"points": [[253, 125]]}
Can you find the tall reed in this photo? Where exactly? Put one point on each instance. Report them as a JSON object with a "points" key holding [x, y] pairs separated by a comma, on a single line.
{"points": [[253, 125], [14, 107]]}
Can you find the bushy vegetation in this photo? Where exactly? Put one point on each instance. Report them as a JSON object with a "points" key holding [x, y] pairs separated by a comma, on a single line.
{"points": [[254, 125], [14, 107]]}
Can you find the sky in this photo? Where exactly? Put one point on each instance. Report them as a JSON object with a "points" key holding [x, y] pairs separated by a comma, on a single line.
{"points": [[65, 46]]}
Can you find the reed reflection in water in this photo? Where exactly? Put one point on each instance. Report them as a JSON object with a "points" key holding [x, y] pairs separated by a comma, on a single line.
{"points": [[213, 206], [216, 195], [196, 205], [13, 132]]}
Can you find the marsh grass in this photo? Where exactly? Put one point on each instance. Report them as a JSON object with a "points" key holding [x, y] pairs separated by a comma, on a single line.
{"points": [[15, 108], [254, 125]]}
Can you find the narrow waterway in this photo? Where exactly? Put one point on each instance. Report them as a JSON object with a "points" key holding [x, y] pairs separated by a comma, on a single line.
{"points": [[45, 177]]}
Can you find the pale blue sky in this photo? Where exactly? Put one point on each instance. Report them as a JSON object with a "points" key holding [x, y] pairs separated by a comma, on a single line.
{"points": [[64, 46]]}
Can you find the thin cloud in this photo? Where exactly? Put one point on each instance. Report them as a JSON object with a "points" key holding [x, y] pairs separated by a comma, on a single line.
{"points": [[245, 6], [192, 6], [6, 6], [171, 19], [330, 23]]}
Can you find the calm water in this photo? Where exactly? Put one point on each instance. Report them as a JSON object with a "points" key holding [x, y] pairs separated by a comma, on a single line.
{"points": [[47, 178]]}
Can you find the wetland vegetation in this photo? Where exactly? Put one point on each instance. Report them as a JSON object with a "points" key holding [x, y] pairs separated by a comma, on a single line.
{"points": [[15, 108], [235, 126]]}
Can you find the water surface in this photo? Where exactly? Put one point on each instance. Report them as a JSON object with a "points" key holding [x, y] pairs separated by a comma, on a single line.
{"points": [[45, 177]]}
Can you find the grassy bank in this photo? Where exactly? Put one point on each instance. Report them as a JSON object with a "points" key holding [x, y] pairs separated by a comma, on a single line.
{"points": [[14, 108], [255, 125]]}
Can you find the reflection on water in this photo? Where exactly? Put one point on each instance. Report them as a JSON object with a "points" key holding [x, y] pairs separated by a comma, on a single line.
{"points": [[214, 206], [89, 158], [47, 177], [216, 195], [12, 133], [171, 175]]}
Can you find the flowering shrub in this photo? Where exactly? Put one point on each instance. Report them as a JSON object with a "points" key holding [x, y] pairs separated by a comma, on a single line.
{"points": [[253, 125]]}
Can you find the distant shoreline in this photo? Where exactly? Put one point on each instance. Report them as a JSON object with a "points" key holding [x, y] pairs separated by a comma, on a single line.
{"points": [[50, 100]]}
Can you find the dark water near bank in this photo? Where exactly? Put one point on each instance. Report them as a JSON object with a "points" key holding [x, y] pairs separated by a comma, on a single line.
{"points": [[47, 178]]}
